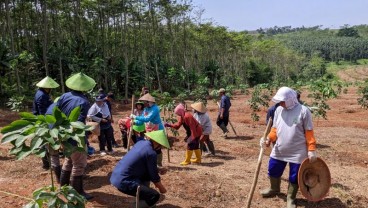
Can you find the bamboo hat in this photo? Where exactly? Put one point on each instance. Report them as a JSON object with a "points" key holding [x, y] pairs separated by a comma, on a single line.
{"points": [[140, 128], [222, 90], [80, 82], [314, 179], [159, 136], [147, 97], [199, 107], [47, 82]]}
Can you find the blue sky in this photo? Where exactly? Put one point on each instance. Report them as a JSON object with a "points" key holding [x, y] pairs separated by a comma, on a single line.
{"points": [[241, 15]]}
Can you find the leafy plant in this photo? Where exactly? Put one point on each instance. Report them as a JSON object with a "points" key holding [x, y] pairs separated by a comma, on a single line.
{"points": [[260, 97], [15, 103], [363, 91], [31, 133]]}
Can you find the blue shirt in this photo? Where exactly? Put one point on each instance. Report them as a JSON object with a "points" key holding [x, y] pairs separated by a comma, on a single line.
{"points": [[41, 102], [139, 164], [225, 104], [151, 114], [70, 100]]}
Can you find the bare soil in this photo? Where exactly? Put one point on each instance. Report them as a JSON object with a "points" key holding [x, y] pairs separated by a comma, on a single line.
{"points": [[224, 180]]}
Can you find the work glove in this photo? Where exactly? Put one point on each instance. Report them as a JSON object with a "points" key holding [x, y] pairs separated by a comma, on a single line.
{"points": [[132, 116], [167, 125], [264, 142], [312, 155]]}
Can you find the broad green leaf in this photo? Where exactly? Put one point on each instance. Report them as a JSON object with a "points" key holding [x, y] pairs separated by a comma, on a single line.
{"points": [[15, 150], [36, 143], [28, 116], [49, 139], [9, 138], [78, 125], [54, 133], [41, 118], [50, 119], [20, 140], [23, 154], [73, 116], [55, 146], [40, 152], [28, 130], [42, 131], [15, 125]]}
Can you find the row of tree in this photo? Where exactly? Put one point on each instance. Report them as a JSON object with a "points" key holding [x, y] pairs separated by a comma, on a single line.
{"points": [[126, 44]]}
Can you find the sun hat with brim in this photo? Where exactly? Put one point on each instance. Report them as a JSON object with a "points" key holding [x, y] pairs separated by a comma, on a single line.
{"points": [[56, 99], [314, 179], [100, 97], [140, 128], [47, 82], [80, 82], [221, 90], [159, 136], [147, 97], [199, 107], [139, 103]]}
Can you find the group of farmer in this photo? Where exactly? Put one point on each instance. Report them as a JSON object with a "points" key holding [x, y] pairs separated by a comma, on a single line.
{"points": [[291, 132]]}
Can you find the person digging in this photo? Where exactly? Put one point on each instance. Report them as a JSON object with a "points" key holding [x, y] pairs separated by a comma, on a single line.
{"points": [[191, 125]]}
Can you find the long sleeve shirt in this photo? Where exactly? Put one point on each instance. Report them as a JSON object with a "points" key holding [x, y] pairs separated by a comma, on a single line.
{"points": [[204, 120], [152, 115], [41, 102], [191, 122]]}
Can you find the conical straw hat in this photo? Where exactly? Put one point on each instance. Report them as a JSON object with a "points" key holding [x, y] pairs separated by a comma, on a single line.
{"points": [[314, 179], [140, 128], [80, 82], [199, 107], [159, 136], [147, 97], [47, 82]]}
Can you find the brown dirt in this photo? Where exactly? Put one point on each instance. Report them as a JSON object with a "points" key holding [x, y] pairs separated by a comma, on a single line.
{"points": [[224, 180]]}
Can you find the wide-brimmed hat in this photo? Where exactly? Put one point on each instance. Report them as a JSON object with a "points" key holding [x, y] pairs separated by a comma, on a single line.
{"points": [[100, 97], [147, 97], [80, 82], [140, 128], [47, 82], [199, 107], [159, 136], [314, 179], [222, 90], [139, 103]]}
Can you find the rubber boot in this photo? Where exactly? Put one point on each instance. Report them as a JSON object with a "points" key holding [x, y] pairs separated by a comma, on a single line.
{"points": [[188, 155], [291, 195], [211, 147], [65, 177], [77, 184], [57, 171], [159, 160], [275, 188], [198, 155]]}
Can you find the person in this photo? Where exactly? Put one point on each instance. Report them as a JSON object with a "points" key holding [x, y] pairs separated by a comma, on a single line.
{"points": [[151, 118], [139, 167], [271, 112], [41, 102], [54, 154], [292, 130], [124, 131], [190, 124], [223, 114], [108, 100], [200, 114], [74, 165], [99, 112]]}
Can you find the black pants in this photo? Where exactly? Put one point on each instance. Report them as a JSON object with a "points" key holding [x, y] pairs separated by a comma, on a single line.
{"points": [[105, 137], [222, 123], [151, 196], [124, 138]]}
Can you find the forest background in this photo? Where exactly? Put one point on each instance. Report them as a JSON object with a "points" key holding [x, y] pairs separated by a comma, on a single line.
{"points": [[162, 44]]}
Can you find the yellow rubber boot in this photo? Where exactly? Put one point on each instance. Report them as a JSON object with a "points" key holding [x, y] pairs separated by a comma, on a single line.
{"points": [[198, 155], [188, 155]]}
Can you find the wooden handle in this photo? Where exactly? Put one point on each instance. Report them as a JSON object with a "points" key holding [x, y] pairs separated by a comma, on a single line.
{"points": [[268, 128], [131, 124]]}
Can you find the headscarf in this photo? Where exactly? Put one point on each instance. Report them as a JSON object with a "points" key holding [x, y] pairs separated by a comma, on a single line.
{"points": [[287, 95], [179, 110]]}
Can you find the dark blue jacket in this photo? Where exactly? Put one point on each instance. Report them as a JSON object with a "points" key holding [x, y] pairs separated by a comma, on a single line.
{"points": [[271, 112], [225, 103], [138, 165], [41, 102]]}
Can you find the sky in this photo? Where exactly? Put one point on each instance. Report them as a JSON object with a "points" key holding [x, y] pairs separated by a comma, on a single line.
{"points": [[239, 15]]}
